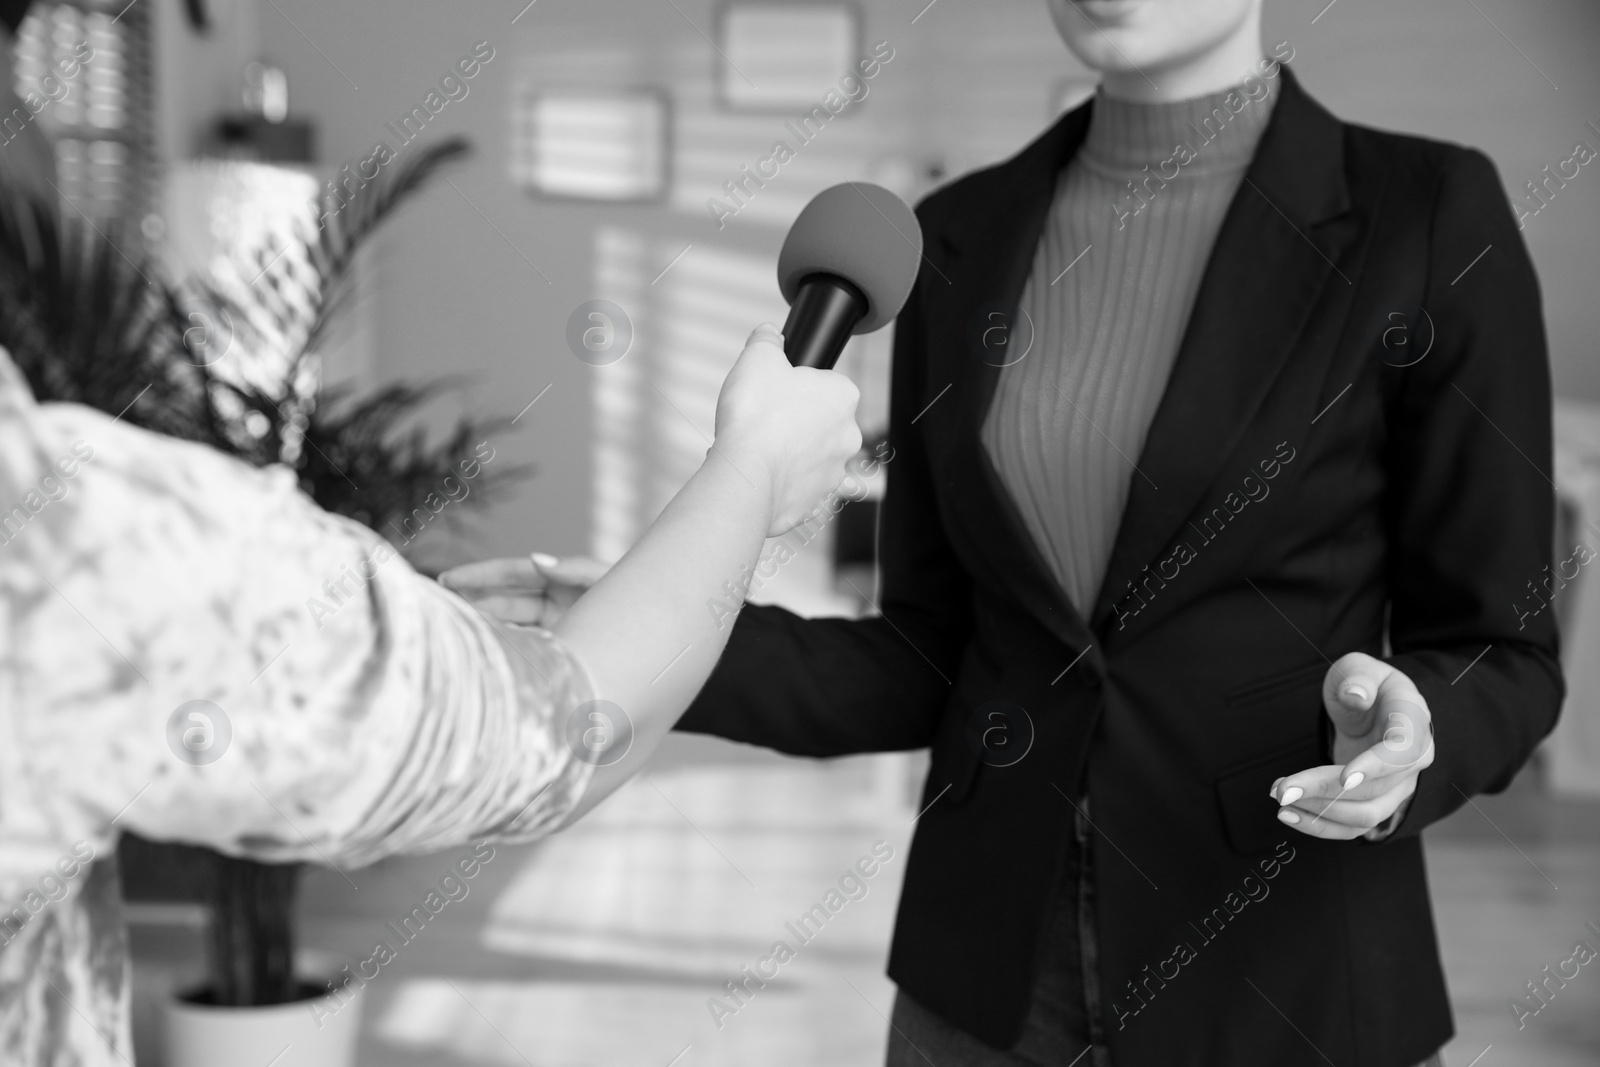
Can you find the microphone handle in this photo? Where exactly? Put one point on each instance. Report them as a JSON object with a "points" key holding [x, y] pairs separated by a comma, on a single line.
{"points": [[824, 311]]}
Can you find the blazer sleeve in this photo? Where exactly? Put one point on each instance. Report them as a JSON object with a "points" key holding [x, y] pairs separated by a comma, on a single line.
{"points": [[1472, 503], [829, 687]]}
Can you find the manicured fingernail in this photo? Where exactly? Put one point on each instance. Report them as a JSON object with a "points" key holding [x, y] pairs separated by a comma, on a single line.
{"points": [[1354, 780], [1356, 693], [1285, 815], [541, 560], [1290, 795], [1273, 792]]}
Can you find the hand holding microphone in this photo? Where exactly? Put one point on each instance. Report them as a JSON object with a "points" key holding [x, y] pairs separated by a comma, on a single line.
{"points": [[789, 430], [846, 268]]}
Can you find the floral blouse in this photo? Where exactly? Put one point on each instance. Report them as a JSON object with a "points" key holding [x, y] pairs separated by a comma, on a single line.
{"points": [[192, 650]]}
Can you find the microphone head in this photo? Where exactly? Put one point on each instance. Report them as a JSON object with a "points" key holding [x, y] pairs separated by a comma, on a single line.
{"points": [[862, 233]]}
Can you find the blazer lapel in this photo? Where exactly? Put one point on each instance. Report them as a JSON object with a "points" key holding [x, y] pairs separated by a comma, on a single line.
{"points": [[1267, 269], [989, 257]]}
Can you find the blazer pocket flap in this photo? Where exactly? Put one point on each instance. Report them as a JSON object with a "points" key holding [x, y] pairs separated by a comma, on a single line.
{"points": [[1249, 813], [1293, 686]]}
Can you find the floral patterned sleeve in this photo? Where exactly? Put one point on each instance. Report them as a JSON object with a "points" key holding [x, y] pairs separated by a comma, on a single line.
{"points": [[191, 649]]}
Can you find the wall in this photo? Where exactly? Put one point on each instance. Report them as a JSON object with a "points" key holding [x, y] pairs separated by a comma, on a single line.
{"points": [[478, 280], [1479, 77]]}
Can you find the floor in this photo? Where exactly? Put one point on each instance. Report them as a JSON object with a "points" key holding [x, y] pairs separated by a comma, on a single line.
{"points": [[1516, 880], [606, 945]]}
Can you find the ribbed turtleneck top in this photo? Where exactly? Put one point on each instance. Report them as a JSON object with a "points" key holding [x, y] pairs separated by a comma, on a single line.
{"points": [[1131, 226]]}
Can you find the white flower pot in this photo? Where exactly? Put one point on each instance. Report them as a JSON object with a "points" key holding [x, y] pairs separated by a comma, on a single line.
{"points": [[319, 1031]]}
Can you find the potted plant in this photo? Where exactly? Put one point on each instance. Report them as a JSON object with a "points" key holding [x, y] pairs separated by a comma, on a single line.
{"points": [[89, 318]]}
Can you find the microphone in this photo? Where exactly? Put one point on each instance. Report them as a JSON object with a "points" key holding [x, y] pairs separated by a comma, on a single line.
{"points": [[846, 267]]}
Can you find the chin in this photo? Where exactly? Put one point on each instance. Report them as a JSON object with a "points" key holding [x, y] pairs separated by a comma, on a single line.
{"points": [[1114, 50], [1116, 35], [1144, 35]]}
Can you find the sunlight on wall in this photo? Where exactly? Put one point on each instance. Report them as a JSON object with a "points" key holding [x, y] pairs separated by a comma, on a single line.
{"points": [[779, 55], [592, 145], [655, 410], [618, 395], [714, 146]]}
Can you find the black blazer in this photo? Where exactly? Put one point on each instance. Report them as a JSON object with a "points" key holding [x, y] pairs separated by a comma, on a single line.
{"points": [[1303, 496]]}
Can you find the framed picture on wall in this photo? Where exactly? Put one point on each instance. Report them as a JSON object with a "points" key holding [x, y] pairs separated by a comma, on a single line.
{"points": [[592, 144], [777, 56]]}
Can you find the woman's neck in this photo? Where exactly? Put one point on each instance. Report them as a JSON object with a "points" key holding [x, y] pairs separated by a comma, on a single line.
{"points": [[1220, 67]]}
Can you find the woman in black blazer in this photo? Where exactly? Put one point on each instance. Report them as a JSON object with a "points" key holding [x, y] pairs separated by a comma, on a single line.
{"points": [[1322, 568], [1413, 514]]}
